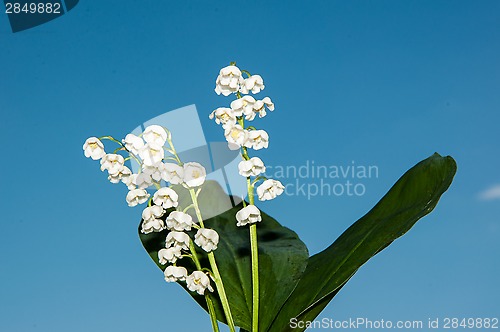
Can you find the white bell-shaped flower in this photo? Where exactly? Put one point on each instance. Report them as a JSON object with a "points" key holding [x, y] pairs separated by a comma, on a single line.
{"points": [[228, 81], [172, 173], [155, 135], [153, 171], [179, 221], [142, 180], [152, 225], [93, 148], [151, 219], [152, 212], [243, 106], [130, 181], [257, 139], [248, 215], [194, 174], [236, 136], [254, 83], [175, 273], [269, 189], [207, 239], [252, 167], [152, 154], [113, 163], [123, 175], [224, 116], [169, 255], [198, 282], [177, 239], [166, 198], [133, 143], [137, 196], [259, 107]]}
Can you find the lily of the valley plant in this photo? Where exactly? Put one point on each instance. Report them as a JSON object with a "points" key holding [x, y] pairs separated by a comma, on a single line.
{"points": [[243, 267]]}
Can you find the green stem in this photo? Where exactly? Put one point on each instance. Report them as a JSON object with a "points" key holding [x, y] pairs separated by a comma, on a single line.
{"points": [[255, 264], [215, 270], [213, 315], [210, 304], [254, 246], [211, 257], [255, 277]]}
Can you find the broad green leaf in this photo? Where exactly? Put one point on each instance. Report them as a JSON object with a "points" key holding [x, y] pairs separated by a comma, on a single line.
{"points": [[282, 257], [413, 196]]}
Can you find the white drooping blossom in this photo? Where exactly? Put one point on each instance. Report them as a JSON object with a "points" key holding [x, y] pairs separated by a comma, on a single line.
{"points": [[152, 212], [243, 105], [257, 139], [207, 239], [130, 182], [252, 167], [229, 80], [259, 107], [194, 174], [169, 255], [155, 135], [177, 239], [179, 221], [142, 180], [123, 175], [152, 222], [113, 163], [172, 173], [152, 154], [152, 225], [254, 83], [137, 196], [166, 198], [248, 215], [269, 189], [133, 143], [93, 148], [236, 136], [175, 273], [153, 171], [224, 116], [198, 282]]}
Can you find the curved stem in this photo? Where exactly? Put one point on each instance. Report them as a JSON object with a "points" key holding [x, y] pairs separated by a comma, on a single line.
{"points": [[215, 270], [191, 206], [246, 72], [111, 138], [174, 152], [213, 315], [122, 147], [211, 256], [210, 304]]}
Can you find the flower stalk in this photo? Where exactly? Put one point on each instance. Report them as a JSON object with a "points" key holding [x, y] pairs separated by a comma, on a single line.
{"points": [[245, 107], [254, 247], [210, 304], [215, 270]]}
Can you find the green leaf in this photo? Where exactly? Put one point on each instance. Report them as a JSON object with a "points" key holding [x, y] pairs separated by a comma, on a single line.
{"points": [[282, 258], [414, 195]]}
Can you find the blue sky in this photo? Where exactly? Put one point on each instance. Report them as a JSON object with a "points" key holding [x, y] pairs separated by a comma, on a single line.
{"points": [[383, 83]]}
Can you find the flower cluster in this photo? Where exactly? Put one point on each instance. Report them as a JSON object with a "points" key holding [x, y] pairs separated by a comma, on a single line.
{"points": [[232, 119], [159, 170]]}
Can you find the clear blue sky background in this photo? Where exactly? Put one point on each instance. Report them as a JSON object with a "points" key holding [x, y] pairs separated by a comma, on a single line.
{"points": [[383, 83]]}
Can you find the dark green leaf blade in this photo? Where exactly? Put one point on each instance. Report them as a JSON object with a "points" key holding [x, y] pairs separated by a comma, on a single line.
{"points": [[282, 260], [282, 256], [413, 196]]}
